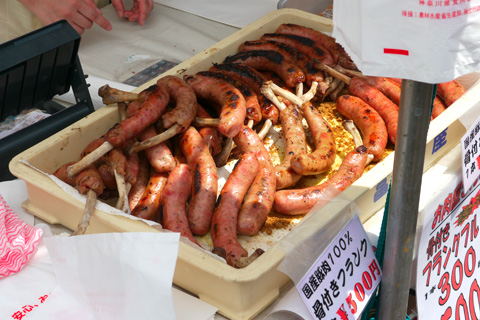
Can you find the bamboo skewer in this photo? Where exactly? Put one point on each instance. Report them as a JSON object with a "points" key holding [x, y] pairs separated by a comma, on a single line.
{"points": [[162, 137], [90, 158], [87, 213]]}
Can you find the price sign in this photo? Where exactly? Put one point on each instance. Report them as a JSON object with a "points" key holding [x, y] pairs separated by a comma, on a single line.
{"points": [[471, 155], [342, 280], [448, 265]]}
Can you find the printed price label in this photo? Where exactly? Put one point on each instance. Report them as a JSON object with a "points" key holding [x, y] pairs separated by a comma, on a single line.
{"points": [[471, 155], [342, 280], [447, 270]]}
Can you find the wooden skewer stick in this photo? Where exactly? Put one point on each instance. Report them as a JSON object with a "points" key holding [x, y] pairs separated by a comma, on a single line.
{"points": [[268, 91], [205, 122], [126, 205], [87, 213], [349, 72], [162, 137], [245, 261], [110, 95], [350, 126], [310, 93], [271, 89], [122, 190], [90, 158], [335, 93], [221, 158], [267, 124], [299, 90], [335, 84], [334, 73], [122, 110]]}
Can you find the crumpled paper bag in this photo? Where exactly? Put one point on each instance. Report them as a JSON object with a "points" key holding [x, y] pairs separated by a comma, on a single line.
{"points": [[112, 276]]}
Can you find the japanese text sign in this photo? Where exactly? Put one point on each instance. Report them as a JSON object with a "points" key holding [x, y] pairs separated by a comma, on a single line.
{"points": [[422, 40], [447, 269], [342, 280], [471, 155]]}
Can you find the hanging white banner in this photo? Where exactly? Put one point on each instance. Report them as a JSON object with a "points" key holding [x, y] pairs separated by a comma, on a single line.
{"points": [[430, 41]]}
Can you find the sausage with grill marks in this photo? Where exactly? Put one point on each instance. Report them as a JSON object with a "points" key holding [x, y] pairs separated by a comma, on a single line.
{"points": [[300, 201], [253, 107], [147, 114], [303, 61], [338, 53], [185, 102], [324, 154], [376, 99], [371, 125], [233, 105], [205, 181], [259, 199], [160, 156], [450, 91], [272, 61], [138, 189], [224, 221], [305, 45], [295, 144], [210, 135], [148, 206], [174, 201], [254, 79]]}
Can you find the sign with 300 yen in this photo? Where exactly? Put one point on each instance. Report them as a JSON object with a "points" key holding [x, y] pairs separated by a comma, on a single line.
{"points": [[342, 280], [448, 266]]}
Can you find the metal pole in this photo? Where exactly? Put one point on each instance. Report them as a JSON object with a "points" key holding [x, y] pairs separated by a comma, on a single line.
{"points": [[413, 121]]}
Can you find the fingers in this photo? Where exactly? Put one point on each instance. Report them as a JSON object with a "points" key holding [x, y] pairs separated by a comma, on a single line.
{"points": [[140, 10], [89, 14], [145, 6], [103, 23], [118, 6]]}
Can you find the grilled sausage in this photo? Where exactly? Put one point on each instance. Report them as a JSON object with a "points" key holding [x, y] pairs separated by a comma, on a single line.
{"points": [[174, 201], [371, 125], [149, 112], [205, 181], [295, 144], [138, 189], [233, 105], [300, 201], [377, 100], [259, 199], [324, 154], [224, 221], [338, 53], [272, 61], [253, 107], [148, 206], [185, 102], [450, 91]]}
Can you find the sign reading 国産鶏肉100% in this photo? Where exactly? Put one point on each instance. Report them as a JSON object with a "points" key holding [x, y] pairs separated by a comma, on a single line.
{"points": [[342, 280]]}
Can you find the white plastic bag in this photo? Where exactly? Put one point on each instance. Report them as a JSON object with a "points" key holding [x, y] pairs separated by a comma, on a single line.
{"points": [[421, 40]]}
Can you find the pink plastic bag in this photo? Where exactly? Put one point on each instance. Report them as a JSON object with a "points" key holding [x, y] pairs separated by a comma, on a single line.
{"points": [[18, 241]]}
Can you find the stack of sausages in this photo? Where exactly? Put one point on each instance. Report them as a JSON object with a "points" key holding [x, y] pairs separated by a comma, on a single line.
{"points": [[169, 159]]}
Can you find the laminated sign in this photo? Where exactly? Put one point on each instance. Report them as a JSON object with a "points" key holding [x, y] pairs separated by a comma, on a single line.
{"points": [[448, 275], [429, 41]]}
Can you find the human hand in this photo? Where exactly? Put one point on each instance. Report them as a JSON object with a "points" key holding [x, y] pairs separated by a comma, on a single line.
{"points": [[81, 14], [139, 12]]}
